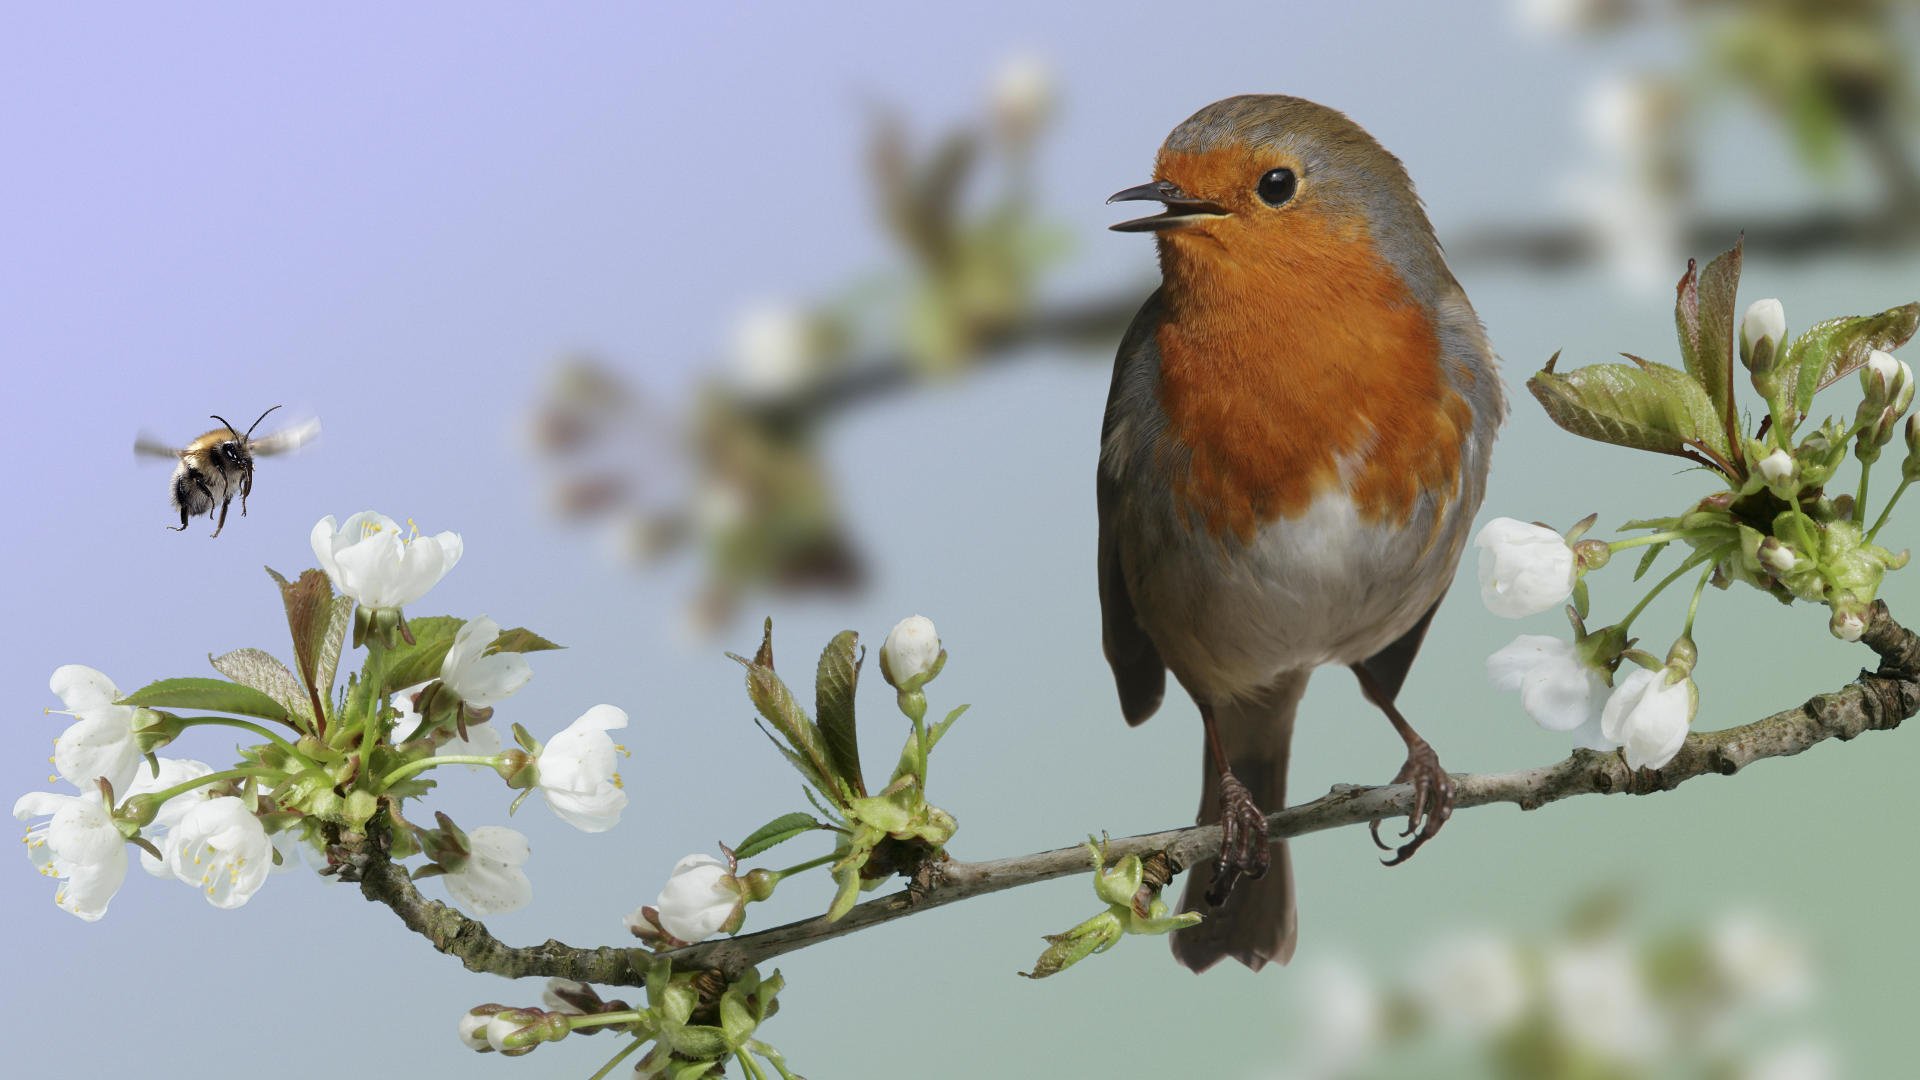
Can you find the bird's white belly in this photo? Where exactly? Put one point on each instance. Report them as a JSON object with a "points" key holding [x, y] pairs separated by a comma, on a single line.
{"points": [[1323, 587]]}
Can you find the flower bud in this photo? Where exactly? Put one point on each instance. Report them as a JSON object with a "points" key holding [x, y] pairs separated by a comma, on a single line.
{"points": [[1776, 467], [1849, 619], [1765, 319], [1524, 569], [1776, 556], [473, 1027], [1881, 374], [1022, 97], [912, 655]]}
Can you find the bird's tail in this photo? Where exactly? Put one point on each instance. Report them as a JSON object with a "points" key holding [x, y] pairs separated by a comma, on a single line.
{"points": [[1257, 923]]}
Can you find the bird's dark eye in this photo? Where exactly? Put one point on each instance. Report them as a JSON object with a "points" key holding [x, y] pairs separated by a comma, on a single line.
{"points": [[1277, 186]]}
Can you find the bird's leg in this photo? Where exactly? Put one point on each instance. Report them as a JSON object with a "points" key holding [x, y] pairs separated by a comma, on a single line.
{"points": [[1432, 787], [1243, 825]]}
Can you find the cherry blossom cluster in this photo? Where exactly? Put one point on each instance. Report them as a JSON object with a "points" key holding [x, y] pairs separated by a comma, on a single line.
{"points": [[1774, 522], [331, 766]]}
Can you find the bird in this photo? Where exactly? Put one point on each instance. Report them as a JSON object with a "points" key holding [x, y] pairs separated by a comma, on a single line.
{"points": [[1295, 444]]}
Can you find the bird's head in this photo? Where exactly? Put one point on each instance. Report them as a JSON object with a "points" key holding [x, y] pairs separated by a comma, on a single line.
{"points": [[1275, 184]]}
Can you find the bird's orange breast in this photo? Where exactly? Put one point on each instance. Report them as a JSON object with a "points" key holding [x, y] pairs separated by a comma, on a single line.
{"points": [[1295, 362]]}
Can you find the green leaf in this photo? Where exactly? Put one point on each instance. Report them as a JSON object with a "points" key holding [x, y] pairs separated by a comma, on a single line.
{"points": [[1704, 313], [1646, 560], [520, 640], [208, 695], [1646, 407], [939, 729], [1833, 349], [776, 703], [834, 684], [327, 663], [261, 671], [310, 613], [420, 662], [778, 831]]}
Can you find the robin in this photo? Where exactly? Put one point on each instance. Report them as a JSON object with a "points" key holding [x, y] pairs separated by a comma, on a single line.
{"points": [[1295, 445]]}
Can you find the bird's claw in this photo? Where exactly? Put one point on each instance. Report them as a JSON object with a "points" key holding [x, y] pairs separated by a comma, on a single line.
{"points": [[1432, 802], [1244, 849]]}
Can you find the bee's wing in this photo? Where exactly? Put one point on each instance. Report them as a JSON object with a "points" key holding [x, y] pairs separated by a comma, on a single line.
{"points": [[145, 445], [287, 438]]}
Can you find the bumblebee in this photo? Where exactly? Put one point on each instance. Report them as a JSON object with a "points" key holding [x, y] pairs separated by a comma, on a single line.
{"points": [[215, 467]]}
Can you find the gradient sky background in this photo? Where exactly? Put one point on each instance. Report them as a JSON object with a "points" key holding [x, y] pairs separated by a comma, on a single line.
{"points": [[393, 220]]}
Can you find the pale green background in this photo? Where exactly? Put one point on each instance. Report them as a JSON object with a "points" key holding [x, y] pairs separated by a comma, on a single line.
{"points": [[393, 220]]}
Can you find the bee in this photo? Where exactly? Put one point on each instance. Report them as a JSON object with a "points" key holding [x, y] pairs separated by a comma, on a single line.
{"points": [[216, 466]]}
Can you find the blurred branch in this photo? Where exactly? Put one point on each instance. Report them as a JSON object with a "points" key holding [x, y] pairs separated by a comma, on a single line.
{"points": [[1558, 246], [1875, 701]]}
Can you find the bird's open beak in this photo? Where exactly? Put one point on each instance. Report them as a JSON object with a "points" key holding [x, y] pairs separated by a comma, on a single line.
{"points": [[1182, 208]]}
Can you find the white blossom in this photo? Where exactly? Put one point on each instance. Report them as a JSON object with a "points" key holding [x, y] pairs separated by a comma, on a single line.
{"points": [[173, 772], [78, 844], [1471, 985], [1648, 718], [1599, 1000], [491, 882], [1524, 569], [479, 679], [1559, 691], [370, 559], [1764, 319], [220, 847], [100, 742], [579, 771], [700, 896], [1760, 962], [911, 649]]}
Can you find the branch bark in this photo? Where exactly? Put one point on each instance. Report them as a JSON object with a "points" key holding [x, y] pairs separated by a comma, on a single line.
{"points": [[1875, 701]]}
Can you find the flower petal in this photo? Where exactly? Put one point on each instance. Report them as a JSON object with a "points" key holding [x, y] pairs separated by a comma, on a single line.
{"points": [[81, 687]]}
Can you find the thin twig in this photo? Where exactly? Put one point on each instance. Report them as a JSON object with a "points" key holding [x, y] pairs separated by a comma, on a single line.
{"points": [[1875, 701]]}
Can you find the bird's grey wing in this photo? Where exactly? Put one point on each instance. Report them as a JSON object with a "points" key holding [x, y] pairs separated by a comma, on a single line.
{"points": [[1388, 667], [1138, 671], [287, 438], [145, 445]]}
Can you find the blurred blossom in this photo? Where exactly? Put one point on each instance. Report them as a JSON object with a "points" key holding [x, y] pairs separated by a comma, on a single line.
{"points": [[1022, 96], [1471, 984], [1564, 18], [1344, 1016], [1599, 1000], [1797, 1061], [1630, 196], [775, 350], [1760, 962]]}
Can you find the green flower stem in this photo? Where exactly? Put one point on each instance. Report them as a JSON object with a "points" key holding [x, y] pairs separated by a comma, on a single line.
{"points": [[591, 1020], [779, 875], [1887, 509], [1692, 561], [1659, 538], [373, 676], [614, 1062], [752, 1068], [211, 778], [247, 725], [1693, 605], [425, 763], [1860, 500]]}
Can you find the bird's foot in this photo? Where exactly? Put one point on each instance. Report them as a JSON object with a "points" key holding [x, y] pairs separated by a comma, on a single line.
{"points": [[1243, 840], [1432, 801]]}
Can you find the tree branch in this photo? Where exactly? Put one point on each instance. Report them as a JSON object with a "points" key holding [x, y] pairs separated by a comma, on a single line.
{"points": [[1875, 701]]}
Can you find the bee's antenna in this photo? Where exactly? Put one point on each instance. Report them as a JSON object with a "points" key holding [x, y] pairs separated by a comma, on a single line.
{"points": [[223, 420], [256, 424]]}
